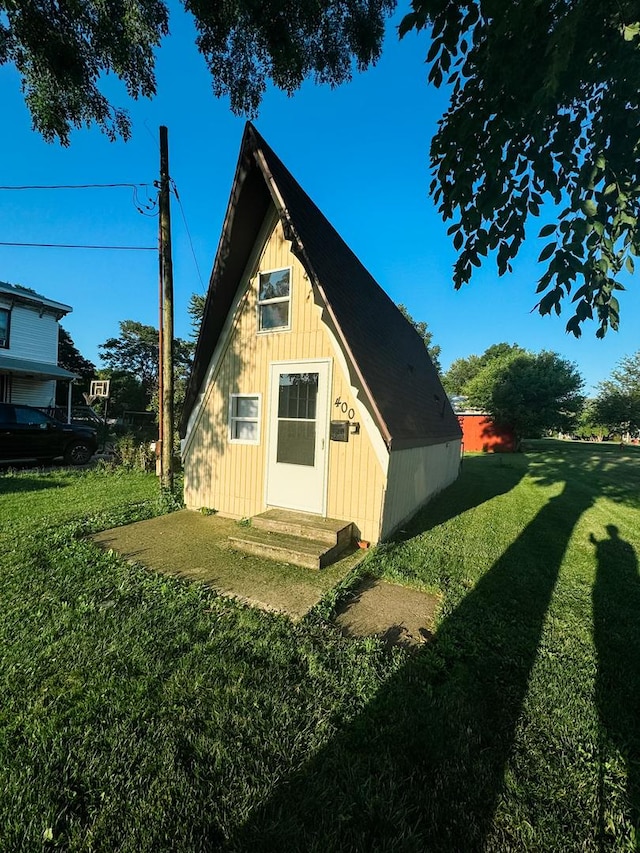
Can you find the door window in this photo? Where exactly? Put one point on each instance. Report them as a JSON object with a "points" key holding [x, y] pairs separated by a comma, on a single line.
{"points": [[297, 399]]}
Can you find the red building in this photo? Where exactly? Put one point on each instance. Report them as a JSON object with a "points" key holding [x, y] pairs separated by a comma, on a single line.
{"points": [[481, 435]]}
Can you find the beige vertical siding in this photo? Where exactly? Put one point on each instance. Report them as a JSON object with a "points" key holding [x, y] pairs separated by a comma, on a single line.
{"points": [[231, 477], [414, 477]]}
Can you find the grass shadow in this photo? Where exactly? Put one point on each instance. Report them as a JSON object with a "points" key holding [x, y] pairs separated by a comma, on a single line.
{"points": [[595, 468], [481, 479], [616, 604], [422, 767], [12, 485]]}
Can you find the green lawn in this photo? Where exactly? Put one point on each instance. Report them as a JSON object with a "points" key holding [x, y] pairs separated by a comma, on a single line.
{"points": [[141, 713]]}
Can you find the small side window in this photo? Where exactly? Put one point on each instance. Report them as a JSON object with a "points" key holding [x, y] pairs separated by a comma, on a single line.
{"points": [[29, 417], [274, 300], [5, 324], [244, 419]]}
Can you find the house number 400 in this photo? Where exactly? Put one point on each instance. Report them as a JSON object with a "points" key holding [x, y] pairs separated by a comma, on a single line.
{"points": [[344, 408]]}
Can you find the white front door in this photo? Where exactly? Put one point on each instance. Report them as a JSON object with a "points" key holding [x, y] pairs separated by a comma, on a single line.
{"points": [[298, 435]]}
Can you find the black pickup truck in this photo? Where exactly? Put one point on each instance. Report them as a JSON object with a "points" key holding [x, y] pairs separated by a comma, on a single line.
{"points": [[29, 434]]}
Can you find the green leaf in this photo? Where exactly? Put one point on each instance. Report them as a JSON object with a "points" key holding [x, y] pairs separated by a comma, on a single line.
{"points": [[629, 264], [548, 250], [433, 50], [573, 326], [407, 23]]}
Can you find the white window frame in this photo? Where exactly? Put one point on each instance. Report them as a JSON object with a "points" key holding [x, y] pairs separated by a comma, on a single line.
{"points": [[233, 419], [261, 302]]}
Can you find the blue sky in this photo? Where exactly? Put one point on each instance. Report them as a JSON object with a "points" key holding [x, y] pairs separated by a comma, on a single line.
{"points": [[360, 151]]}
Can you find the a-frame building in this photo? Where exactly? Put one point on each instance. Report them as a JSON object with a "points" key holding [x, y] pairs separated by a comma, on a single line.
{"points": [[310, 391]]}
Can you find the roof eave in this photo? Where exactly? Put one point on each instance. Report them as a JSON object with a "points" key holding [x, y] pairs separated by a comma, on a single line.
{"points": [[37, 301]]}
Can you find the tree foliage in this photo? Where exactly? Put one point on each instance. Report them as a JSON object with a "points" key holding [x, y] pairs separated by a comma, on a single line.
{"points": [[63, 50], [528, 392], [618, 401], [126, 393], [427, 336], [543, 107], [135, 353], [463, 370], [70, 358], [195, 310], [589, 426]]}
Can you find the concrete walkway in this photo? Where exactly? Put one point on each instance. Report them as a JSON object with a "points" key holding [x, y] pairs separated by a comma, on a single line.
{"points": [[399, 615], [189, 545]]}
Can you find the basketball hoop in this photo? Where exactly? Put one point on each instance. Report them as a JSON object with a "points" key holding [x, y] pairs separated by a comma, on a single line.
{"points": [[99, 388]]}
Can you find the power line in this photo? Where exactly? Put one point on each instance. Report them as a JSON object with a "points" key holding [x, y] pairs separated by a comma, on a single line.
{"points": [[186, 225], [74, 186], [74, 246]]}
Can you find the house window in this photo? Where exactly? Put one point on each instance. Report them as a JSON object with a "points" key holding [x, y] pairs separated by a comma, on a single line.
{"points": [[244, 419], [274, 300], [5, 322]]}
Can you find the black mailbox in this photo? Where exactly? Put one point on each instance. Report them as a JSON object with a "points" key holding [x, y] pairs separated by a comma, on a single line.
{"points": [[339, 431]]}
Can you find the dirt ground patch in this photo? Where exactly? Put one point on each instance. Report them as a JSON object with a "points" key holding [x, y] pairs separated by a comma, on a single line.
{"points": [[193, 546], [397, 614]]}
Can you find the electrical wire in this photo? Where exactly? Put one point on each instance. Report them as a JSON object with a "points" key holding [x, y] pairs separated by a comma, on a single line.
{"points": [[146, 208], [73, 186], [74, 246], [186, 225], [149, 208]]}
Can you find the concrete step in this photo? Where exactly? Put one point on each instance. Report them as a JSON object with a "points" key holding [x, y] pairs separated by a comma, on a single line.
{"points": [[286, 548], [333, 531]]}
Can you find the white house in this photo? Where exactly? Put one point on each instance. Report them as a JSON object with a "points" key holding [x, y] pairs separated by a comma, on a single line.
{"points": [[29, 346], [310, 392]]}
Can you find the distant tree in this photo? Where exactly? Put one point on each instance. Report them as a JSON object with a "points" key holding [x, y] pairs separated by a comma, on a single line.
{"points": [[529, 392], [70, 358], [135, 353], [544, 104], [588, 424], [618, 401], [463, 370], [195, 309], [423, 330], [63, 51], [126, 393]]}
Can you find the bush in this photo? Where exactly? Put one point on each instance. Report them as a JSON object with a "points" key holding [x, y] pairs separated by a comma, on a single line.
{"points": [[134, 454]]}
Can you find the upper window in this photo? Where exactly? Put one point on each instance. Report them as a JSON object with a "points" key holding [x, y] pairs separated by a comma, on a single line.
{"points": [[5, 322], [244, 419], [274, 300]]}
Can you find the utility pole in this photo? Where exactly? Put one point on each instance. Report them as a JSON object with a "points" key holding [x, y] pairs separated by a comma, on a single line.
{"points": [[165, 383]]}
